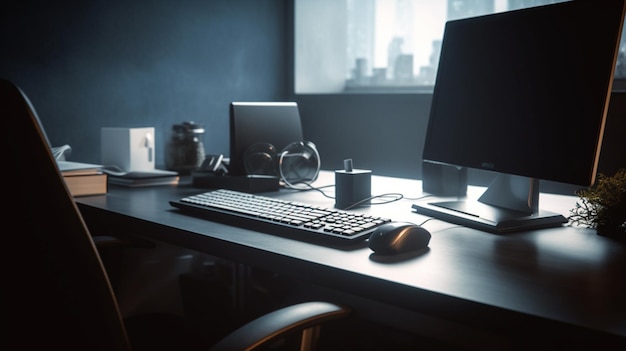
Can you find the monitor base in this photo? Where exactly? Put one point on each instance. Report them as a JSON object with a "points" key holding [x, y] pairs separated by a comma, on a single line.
{"points": [[489, 218]]}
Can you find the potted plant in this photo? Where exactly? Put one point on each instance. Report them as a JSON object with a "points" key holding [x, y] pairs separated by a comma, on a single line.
{"points": [[603, 206]]}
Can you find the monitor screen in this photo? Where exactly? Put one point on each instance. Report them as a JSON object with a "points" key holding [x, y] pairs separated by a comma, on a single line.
{"points": [[252, 123], [525, 94]]}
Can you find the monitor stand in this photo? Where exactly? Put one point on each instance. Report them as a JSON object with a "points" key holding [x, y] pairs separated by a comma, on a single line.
{"points": [[510, 203]]}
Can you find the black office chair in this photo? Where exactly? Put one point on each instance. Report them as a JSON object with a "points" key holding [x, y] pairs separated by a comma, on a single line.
{"points": [[56, 292]]}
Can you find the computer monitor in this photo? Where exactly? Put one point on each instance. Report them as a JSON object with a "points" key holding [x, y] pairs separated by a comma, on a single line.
{"points": [[523, 94], [276, 123]]}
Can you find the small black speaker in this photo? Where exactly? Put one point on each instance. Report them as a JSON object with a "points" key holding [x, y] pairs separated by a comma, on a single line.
{"points": [[444, 180]]}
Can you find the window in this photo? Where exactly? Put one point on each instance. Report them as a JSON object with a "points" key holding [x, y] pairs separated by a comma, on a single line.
{"points": [[383, 45]]}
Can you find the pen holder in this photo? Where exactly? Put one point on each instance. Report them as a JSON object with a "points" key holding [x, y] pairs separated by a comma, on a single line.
{"points": [[352, 186]]}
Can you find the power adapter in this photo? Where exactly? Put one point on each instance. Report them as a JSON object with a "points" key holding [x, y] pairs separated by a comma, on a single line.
{"points": [[352, 185]]}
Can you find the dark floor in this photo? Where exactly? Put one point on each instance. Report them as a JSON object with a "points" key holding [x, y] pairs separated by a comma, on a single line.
{"points": [[352, 333], [209, 305]]}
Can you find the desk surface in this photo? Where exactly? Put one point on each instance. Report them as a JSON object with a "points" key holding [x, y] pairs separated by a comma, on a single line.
{"points": [[566, 279]]}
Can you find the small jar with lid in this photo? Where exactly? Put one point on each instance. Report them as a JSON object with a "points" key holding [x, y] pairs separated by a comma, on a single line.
{"points": [[185, 148]]}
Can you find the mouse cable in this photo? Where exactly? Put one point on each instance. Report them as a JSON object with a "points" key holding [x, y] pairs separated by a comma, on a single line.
{"points": [[318, 189], [417, 198], [396, 197], [426, 220]]}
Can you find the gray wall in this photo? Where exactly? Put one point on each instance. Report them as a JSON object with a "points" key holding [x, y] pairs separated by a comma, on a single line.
{"points": [[132, 63]]}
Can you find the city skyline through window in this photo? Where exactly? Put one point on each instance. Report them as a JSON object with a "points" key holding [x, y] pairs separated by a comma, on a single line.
{"points": [[384, 44], [403, 51]]}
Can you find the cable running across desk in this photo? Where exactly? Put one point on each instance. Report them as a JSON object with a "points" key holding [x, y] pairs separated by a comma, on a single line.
{"points": [[276, 216]]}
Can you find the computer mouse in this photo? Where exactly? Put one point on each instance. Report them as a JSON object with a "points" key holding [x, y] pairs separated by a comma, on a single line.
{"points": [[398, 237]]}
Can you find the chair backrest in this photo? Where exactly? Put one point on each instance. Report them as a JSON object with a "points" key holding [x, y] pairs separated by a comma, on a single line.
{"points": [[55, 288]]}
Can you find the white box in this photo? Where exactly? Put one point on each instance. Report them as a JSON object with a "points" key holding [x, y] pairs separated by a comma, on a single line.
{"points": [[131, 149]]}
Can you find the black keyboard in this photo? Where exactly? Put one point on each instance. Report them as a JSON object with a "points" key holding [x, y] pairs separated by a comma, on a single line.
{"points": [[300, 221]]}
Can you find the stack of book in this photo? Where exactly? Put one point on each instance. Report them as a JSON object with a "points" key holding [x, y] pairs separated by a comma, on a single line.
{"points": [[83, 178], [143, 178]]}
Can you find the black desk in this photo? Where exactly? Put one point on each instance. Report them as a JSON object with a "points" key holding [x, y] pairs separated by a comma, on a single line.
{"points": [[563, 283]]}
